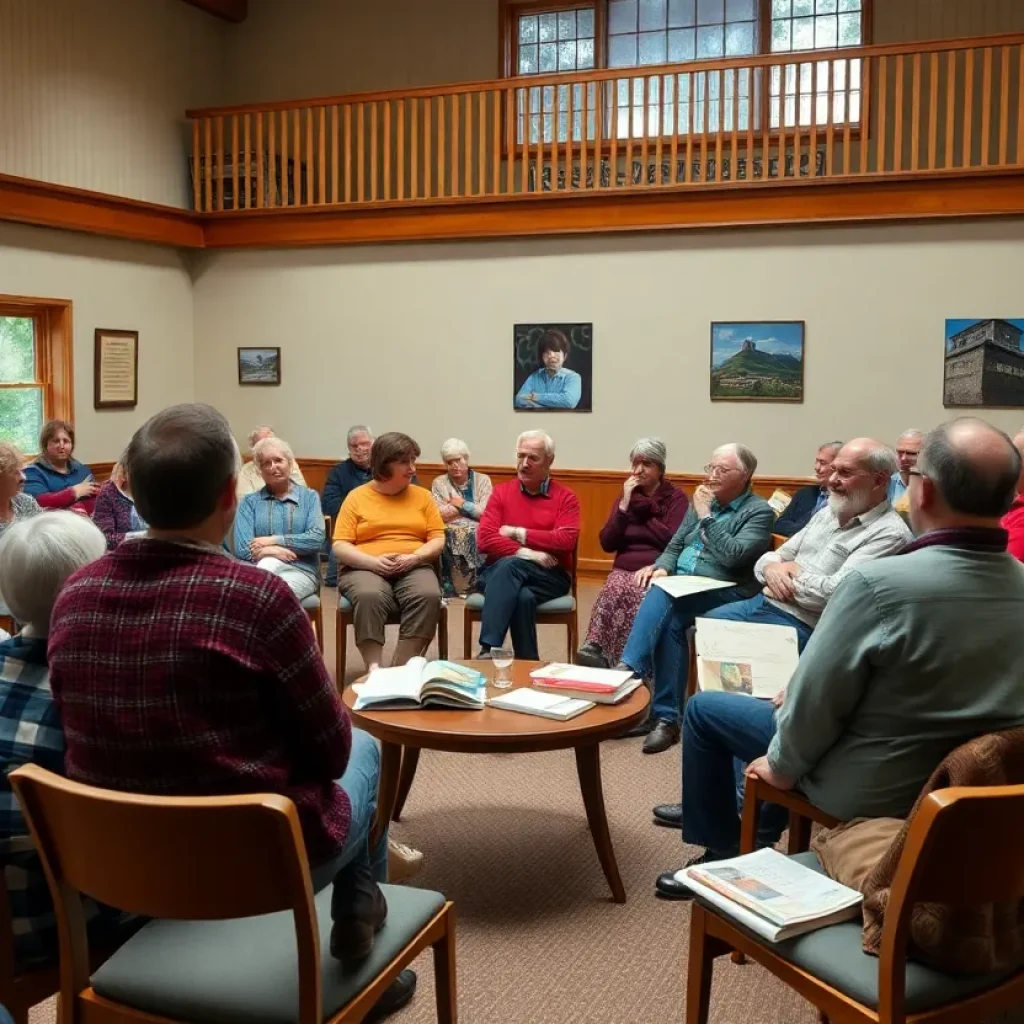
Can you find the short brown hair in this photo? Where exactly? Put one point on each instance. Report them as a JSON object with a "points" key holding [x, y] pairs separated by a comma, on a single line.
{"points": [[51, 428], [554, 340], [387, 450]]}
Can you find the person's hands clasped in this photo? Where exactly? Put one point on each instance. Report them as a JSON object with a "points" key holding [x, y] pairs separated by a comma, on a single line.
{"points": [[542, 558], [85, 489], [778, 580], [259, 546], [398, 565], [457, 501], [449, 513], [647, 575], [516, 533]]}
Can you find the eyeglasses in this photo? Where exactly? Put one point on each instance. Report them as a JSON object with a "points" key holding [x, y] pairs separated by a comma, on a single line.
{"points": [[719, 470]]}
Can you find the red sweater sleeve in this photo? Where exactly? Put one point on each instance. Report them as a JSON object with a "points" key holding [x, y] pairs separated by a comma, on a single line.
{"points": [[57, 499], [567, 526], [489, 540]]}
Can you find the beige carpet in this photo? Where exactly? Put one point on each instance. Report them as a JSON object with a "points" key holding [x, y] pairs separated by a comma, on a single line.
{"points": [[539, 941]]}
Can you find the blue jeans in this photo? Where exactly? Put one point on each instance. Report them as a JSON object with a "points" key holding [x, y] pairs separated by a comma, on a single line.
{"points": [[657, 643], [718, 729]]}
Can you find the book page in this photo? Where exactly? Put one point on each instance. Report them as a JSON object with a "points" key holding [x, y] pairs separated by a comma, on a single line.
{"points": [[449, 672], [683, 586], [745, 657], [402, 681], [610, 678]]}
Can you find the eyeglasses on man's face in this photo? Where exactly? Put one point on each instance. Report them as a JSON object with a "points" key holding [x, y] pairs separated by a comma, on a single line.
{"points": [[712, 470]]}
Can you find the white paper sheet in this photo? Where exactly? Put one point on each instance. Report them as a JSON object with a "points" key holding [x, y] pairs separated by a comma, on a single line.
{"points": [[683, 586], [745, 657]]}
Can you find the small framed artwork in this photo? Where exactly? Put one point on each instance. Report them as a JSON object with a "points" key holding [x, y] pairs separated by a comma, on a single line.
{"points": [[757, 361], [260, 366], [552, 366], [984, 364], [116, 369]]}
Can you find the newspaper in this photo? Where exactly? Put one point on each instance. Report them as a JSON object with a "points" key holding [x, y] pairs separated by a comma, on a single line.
{"points": [[773, 895], [745, 657]]}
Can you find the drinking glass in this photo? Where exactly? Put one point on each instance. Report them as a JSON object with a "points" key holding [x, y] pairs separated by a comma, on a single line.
{"points": [[502, 660]]}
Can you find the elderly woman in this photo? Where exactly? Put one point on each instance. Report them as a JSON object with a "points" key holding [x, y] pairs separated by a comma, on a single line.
{"points": [[55, 479], [36, 556], [250, 479], [461, 496], [387, 536], [115, 512], [280, 527], [15, 504], [642, 522], [552, 386]]}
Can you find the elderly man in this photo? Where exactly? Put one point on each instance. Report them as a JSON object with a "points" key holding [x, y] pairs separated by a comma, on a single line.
{"points": [[527, 535], [346, 476], [210, 665], [726, 529], [891, 681], [907, 447], [811, 498], [1013, 521], [249, 479]]}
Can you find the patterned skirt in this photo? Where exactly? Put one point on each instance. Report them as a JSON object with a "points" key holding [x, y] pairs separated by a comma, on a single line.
{"points": [[614, 610], [460, 555]]}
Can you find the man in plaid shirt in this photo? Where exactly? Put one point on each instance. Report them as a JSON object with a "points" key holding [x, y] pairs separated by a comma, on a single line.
{"points": [[180, 671]]}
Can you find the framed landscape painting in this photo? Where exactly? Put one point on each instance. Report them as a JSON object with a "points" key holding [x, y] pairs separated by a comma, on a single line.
{"points": [[757, 361], [259, 366]]}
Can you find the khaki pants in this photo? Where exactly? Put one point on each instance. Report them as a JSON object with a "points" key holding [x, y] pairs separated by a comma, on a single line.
{"points": [[414, 597]]}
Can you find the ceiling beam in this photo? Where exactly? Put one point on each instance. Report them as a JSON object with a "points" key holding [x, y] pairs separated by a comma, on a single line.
{"points": [[229, 10]]}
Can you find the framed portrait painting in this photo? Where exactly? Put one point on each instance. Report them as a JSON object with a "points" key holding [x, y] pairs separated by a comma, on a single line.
{"points": [[552, 366]]}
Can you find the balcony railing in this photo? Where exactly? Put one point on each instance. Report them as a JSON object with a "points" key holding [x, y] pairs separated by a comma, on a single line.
{"points": [[955, 106]]}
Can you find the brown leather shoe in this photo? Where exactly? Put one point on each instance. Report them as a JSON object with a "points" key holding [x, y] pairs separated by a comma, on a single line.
{"points": [[664, 735]]}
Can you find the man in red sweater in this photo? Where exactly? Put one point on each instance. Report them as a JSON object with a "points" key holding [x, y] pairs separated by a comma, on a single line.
{"points": [[1013, 521], [528, 534]]}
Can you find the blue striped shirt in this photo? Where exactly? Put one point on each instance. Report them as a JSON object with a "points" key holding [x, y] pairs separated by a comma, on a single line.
{"points": [[295, 521]]}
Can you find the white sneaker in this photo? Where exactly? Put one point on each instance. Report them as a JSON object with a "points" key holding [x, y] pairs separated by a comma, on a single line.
{"points": [[403, 862]]}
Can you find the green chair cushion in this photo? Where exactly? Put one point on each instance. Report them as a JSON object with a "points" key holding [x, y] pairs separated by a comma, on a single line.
{"points": [[311, 602], [344, 604], [475, 602], [246, 971]]}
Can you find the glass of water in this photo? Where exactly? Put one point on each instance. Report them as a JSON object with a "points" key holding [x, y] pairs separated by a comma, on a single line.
{"points": [[502, 660]]}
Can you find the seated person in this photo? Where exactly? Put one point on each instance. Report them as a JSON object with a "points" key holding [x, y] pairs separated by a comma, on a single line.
{"points": [[344, 478], [55, 479], [528, 534], [15, 504], [892, 680], [551, 386], [907, 447], [641, 523], [250, 479], [280, 527], [115, 512], [726, 529], [1013, 521], [461, 495], [386, 539], [210, 667], [36, 557], [811, 498]]}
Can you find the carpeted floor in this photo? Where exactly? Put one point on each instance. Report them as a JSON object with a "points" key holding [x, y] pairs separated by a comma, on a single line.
{"points": [[539, 940]]}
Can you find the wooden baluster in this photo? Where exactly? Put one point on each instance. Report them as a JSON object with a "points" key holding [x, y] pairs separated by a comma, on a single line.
{"points": [[247, 182], [631, 122], [467, 146], [734, 169], [455, 144], [539, 162], [271, 163], [766, 107], [830, 115], [968, 108], [570, 136], [812, 137], [284, 158], [705, 128], [646, 130], [511, 123], [797, 112], [584, 134], [373, 151], [950, 107], [613, 160], [691, 102], [524, 166], [481, 119], [883, 127], [197, 182], [1020, 106], [555, 111], [347, 121], [428, 136], [781, 172], [750, 123], [848, 118], [322, 189], [310, 198], [496, 144], [865, 112], [400, 144], [219, 163], [915, 115], [236, 205], [897, 145], [259, 158], [659, 136], [1004, 104], [441, 180], [360, 153], [387, 150], [986, 107], [297, 160], [720, 133], [674, 147], [933, 110], [334, 153], [414, 150], [599, 108]]}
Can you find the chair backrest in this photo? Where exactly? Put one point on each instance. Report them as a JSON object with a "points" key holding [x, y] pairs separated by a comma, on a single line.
{"points": [[777, 541], [572, 569]]}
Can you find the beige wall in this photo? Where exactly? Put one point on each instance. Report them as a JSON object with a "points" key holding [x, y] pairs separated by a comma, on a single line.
{"points": [[419, 338], [93, 92], [116, 285]]}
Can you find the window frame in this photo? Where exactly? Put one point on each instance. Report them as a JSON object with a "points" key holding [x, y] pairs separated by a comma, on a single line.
{"points": [[54, 348]]}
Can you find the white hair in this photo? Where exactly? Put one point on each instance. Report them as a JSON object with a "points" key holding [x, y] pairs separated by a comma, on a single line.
{"points": [[37, 555], [912, 432], [538, 435], [453, 448], [269, 444], [744, 456], [254, 435], [354, 432]]}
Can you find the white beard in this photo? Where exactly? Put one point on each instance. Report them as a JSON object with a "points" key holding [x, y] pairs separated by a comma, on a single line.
{"points": [[846, 506]]}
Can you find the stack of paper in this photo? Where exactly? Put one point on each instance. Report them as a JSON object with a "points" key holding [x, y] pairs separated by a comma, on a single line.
{"points": [[745, 657]]}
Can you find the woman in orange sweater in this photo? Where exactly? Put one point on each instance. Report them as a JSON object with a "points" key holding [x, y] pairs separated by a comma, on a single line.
{"points": [[387, 536]]}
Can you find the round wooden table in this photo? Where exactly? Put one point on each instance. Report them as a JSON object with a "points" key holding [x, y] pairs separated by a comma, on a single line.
{"points": [[403, 734]]}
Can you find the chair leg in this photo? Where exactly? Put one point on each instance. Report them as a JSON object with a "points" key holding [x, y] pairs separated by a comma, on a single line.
{"points": [[410, 759], [799, 835], [467, 634], [442, 634], [701, 967], [444, 972]]}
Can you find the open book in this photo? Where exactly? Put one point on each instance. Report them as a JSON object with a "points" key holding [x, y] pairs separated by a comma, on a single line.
{"points": [[600, 685], [545, 705], [745, 657], [772, 895], [684, 586], [420, 684]]}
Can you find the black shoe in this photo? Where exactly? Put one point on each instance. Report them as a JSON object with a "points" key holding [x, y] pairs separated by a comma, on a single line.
{"points": [[662, 736], [396, 995], [358, 910], [668, 887], [642, 729], [484, 654], [591, 656], [668, 815]]}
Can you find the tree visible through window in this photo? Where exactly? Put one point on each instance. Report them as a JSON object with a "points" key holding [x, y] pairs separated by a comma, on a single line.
{"points": [[21, 390]]}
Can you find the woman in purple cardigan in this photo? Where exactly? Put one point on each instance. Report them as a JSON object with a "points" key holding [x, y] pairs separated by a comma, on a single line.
{"points": [[115, 513], [641, 524]]}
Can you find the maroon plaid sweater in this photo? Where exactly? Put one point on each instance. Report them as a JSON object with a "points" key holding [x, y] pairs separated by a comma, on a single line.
{"points": [[181, 672]]}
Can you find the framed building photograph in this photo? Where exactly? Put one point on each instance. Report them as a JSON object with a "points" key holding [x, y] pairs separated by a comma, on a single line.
{"points": [[757, 361], [115, 369], [259, 366], [984, 364], [552, 367]]}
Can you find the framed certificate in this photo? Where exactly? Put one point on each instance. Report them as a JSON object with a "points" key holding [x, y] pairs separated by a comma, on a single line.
{"points": [[116, 375]]}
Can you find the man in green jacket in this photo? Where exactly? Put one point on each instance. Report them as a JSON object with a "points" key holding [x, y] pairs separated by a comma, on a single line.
{"points": [[726, 529]]}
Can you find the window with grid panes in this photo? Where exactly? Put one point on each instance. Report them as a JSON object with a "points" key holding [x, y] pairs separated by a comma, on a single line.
{"points": [[22, 391]]}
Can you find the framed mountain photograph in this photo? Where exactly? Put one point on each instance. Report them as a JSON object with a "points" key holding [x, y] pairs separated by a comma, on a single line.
{"points": [[759, 361]]}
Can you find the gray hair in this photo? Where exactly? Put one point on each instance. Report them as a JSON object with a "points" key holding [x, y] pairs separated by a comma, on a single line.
{"points": [[354, 432], [10, 457], [269, 444], [181, 461], [538, 435], [881, 460], [453, 448], [744, 456], [37, 555], [651, 449], [254, 435], [832, 446], [967, 487], [912, 432]]}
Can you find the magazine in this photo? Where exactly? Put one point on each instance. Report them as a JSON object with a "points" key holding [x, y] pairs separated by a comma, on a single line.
{"points": [[745, 657], [545, 705], [420, 684]]}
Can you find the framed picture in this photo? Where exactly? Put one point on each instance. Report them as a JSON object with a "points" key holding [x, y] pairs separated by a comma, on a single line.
{"points": [[260, 366], [984, 364], [115, 369], [552, 365], [757, 361]]}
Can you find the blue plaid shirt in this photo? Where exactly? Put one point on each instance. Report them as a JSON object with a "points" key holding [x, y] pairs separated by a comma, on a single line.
{"points": [[689, 555], [31, 732]]}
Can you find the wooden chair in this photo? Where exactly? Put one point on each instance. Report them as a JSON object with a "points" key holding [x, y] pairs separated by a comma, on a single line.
{"points": [[204, 868], [963, 848], [313, 607], [345, 617], [560, 611], [20, 992], [777, 541], [7, 622]]}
